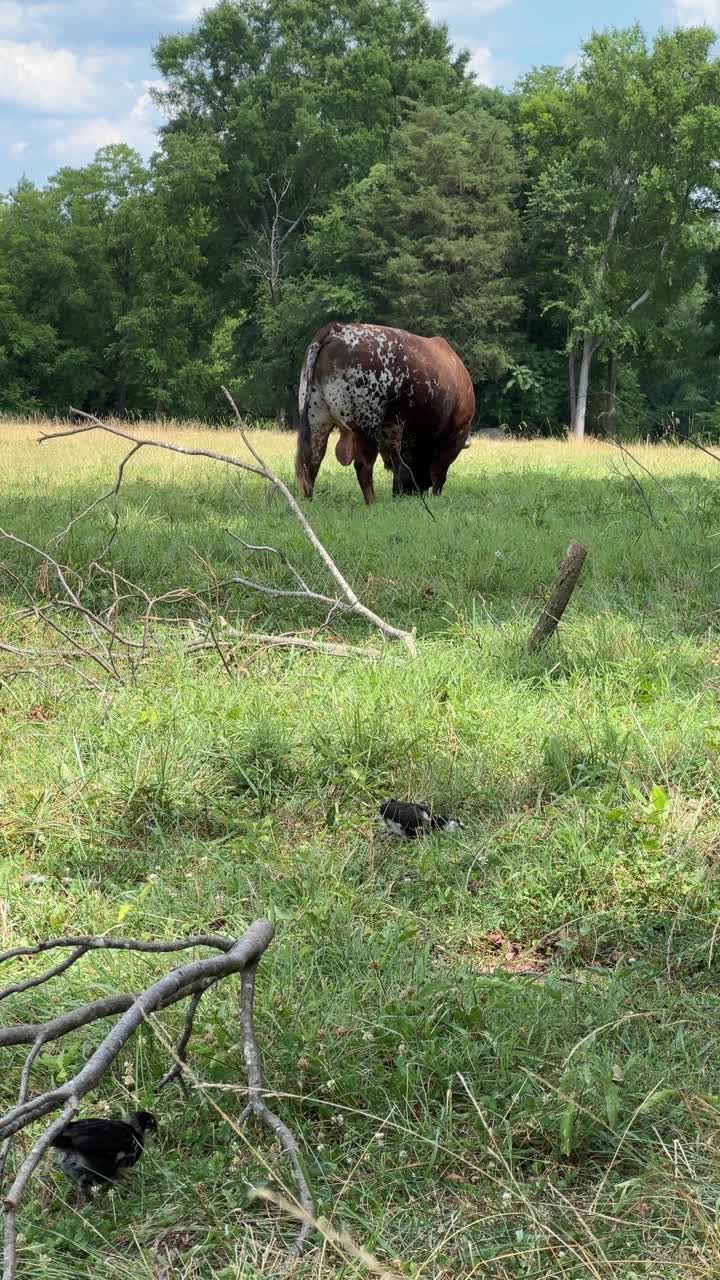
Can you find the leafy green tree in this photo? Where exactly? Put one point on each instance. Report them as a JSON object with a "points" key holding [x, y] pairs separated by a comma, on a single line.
{"points": [[301, 97], [59, 283], [164, 334], [622, 153], [430, 234]]}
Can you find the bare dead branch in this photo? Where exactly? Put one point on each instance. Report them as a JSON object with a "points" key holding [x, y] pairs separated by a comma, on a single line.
{"points": [[348, 601], [176, 1070], [96, 424], [565, 584], [166, 989], [37, 981], [112, 493], [15, 1194], [256, 640], [249, 546], [259, 1108], [90, 942], [22, 1096], [346, 590], [618, 444], [282, 593]]}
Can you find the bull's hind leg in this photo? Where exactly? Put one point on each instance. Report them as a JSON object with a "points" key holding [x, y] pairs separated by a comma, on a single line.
{"points": [[312, 445], [366, 452]]}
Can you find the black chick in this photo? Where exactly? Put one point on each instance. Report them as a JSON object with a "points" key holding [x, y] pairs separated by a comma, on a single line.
{"points": [[412, 820], [94, 1151]]}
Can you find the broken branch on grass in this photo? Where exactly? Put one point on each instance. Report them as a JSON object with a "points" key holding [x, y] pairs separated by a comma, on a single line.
{"points": [[190, 981], [565, 584], [112, 493], [349, 600], [407, 638], [175, 1072], [258, 1108], [256, 640], [249, 546]]}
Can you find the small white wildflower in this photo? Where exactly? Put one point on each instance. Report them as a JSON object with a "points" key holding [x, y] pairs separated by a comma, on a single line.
{"points": [[330, 1085]]}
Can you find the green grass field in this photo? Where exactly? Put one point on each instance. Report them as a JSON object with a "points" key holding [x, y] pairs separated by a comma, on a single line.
{"points": [[500, 1047]]}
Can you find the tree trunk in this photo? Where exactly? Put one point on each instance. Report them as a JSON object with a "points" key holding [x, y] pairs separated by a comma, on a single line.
{"points": [[121, 395], [612, 379], [275, 262], [572, 374], [588, 350]]}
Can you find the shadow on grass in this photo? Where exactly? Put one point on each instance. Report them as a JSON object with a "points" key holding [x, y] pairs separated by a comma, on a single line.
{"points": [[494, 544]]}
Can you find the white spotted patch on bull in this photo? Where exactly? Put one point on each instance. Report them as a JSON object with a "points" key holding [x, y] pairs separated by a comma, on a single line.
{"points": [[359, 397]]}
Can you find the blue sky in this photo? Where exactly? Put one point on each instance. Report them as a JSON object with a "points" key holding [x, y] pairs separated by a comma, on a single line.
{"points": [[75, 74]]}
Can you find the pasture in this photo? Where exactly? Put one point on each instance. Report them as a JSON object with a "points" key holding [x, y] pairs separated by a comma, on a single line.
{"points": [[500, 1047]]}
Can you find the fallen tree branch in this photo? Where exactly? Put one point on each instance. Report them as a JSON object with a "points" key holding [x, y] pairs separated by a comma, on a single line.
{"points": [[176, 1070], [190, 981], [257, 640], [565, 584], [258, 1108], [349, 597], [346, 590]]}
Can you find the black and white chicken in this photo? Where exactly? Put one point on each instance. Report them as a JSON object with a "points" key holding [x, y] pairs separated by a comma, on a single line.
{"points": [[95, 1151], [409, 821]]}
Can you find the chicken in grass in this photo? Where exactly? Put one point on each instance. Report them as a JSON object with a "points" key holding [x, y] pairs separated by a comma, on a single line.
{"points": [[95, 1151], [409, 821]]}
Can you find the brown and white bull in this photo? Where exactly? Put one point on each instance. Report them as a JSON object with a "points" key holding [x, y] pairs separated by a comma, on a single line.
{"points": [[408, 398]]}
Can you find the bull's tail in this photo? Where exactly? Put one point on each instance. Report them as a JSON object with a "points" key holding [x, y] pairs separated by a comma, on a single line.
{"points": [[304, 448]]}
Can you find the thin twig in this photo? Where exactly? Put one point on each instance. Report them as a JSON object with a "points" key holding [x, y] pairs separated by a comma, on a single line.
{"points": [[112, 493], [37, 981], [176, 1070], [96, 425], [22, 1096], [259, 1108], [624, 450], [255, 639], [397, 634]]}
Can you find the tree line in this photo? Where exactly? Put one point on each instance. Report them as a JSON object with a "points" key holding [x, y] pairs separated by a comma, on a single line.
{"points": [[336, 159]]}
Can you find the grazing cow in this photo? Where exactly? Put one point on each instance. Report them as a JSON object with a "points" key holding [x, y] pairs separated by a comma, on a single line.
{"points": [[410, 399]]}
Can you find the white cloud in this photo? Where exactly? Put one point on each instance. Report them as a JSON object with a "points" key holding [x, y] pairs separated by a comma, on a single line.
{"points": [[18, 148], [698, 13], [483, 65], [191, 9], [77, 143], [487, 68], [20, 19], [43, 79], [444, 10]]}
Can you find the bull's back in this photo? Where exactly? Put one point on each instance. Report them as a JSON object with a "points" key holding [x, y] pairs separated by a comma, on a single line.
{"points": [[364, 370]]}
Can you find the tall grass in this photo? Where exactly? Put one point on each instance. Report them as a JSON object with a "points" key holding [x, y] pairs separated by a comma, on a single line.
{"points": [[499, 1046]]}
